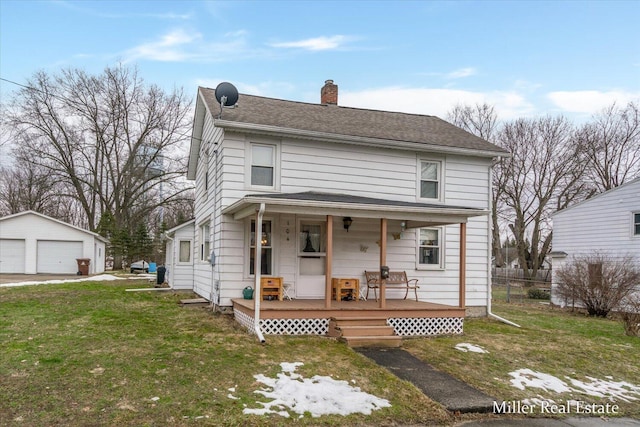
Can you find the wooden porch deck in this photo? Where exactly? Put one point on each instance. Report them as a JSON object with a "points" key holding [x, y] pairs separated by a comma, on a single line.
{"points": [[314, 308], [302, 316]]}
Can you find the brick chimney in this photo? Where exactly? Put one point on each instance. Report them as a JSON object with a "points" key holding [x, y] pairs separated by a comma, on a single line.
{"points": [[329, 93]]}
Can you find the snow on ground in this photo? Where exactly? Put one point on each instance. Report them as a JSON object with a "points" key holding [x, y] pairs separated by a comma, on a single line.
{"points": [[97, 278], [463, 346], [319, 395], [608, 389]]}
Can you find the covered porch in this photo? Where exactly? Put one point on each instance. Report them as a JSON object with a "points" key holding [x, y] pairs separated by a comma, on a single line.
{"points": [[312, 314]]}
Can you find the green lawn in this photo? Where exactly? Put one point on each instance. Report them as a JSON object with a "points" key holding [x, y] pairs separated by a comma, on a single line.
{"points": [[93, 354]]}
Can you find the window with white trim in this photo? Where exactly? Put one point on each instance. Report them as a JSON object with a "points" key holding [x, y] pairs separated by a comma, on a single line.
{"points": [[263, 165], [204, 243], [430, 179], [184, 251], [266, 258], [636, 223], [430, 247]]}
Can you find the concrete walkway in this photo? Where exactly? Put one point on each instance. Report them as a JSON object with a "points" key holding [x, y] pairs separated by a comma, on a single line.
{"points": [[458, 396], [452, 393]]}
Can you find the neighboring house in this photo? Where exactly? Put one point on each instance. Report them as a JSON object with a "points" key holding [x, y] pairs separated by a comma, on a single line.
{"points": [[322, 192], [33, 243], [179, 256], [608, 223]]}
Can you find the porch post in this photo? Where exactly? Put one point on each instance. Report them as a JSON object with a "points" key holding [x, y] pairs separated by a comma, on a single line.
{"points": [[328, 262], [463, 263], [383, 260]]}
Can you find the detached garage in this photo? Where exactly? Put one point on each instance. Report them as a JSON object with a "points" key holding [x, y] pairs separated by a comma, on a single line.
{"points": [[33, 243]]}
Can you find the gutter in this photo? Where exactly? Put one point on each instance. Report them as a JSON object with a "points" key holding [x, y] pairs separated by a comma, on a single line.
{"points": [[490, 248], [257, 270]]}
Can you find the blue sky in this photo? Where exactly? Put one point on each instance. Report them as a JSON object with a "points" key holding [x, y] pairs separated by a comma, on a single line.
{"points": [[525, 58]]}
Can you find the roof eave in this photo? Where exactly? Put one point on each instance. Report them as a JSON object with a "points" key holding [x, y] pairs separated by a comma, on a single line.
{"points": [[248, 205], [354, 140]]}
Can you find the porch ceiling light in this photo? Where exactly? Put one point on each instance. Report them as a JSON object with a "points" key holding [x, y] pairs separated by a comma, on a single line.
{"points": [[347, 221]]}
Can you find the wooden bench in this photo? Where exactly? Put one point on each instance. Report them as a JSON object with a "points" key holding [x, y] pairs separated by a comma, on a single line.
{"points": [[396, 279]]}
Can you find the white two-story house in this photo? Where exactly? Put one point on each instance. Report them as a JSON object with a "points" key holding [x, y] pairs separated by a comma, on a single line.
{"points": [[320, 192]]}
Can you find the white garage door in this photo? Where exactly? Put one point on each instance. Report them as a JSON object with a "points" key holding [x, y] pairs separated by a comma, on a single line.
{"points": [[11, 256], [55, 256]]}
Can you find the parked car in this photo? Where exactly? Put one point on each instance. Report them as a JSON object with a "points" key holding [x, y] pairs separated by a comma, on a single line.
{"points": [[139, 266]]}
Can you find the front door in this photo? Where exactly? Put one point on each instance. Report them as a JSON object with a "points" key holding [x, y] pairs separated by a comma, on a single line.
{"points": [[312, 253]]}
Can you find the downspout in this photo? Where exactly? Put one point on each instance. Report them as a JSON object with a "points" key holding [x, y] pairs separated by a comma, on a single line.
{"points": [[257, 269], [212, 236], [490, 248], [173, 257]]}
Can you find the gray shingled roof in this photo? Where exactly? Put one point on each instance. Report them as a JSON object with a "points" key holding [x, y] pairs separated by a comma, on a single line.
{"points": [[348, 198], [356, 122]]}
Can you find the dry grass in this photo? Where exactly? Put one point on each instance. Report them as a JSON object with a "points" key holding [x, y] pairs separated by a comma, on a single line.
{"points": [[94, 355]]}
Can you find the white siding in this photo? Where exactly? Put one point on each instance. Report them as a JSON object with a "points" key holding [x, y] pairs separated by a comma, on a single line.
{"points": [[180, 274], [603, 223], [339, 168]]}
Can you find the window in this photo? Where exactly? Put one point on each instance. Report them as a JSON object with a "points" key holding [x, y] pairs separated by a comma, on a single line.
{"points": [[595, 274], [266, 259], [636, 224], [429, 180], [430, 247], [262, 165], [204, 243], [184, 254]]}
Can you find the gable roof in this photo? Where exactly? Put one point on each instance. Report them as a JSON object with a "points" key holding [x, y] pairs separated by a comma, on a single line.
{"points": [[635, 181], [343, 124], [48, 218]]}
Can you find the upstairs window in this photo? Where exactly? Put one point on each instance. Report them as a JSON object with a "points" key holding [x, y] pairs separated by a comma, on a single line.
{"points": [[262, 165], [429, 179]]}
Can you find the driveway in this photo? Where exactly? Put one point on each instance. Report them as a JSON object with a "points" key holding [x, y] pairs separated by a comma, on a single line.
{"points": [[16, 278]]}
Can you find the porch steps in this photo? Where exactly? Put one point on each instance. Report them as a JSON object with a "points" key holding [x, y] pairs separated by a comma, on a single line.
{"points": [[194, 302], [364, 332]]}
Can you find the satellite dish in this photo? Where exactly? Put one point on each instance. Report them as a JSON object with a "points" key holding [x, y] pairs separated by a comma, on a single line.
{"points": [[226, 94]]}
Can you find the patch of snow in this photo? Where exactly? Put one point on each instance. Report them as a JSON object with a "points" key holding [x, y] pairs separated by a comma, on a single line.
{"points": [[463, 346], [98, 278], [319, 395], [609, 389]]}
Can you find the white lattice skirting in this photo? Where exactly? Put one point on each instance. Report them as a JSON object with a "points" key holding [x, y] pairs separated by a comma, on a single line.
{"points": [[403, 326], [426, 326]]}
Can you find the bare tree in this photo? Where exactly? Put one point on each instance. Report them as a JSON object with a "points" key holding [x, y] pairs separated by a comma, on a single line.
{"points": [[543, 175], [25, 187], [598, 282], [114, 143], [482, 120], [610, 143]]}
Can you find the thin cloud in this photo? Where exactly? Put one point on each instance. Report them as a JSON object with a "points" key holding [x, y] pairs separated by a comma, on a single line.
{"points": [[437, 102], [589, 101], [314, 44], [189, 46], [461, 73], [169, 48]]}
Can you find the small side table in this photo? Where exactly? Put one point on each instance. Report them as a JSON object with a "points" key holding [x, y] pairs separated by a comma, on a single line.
{"points": [[345, 288]]}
